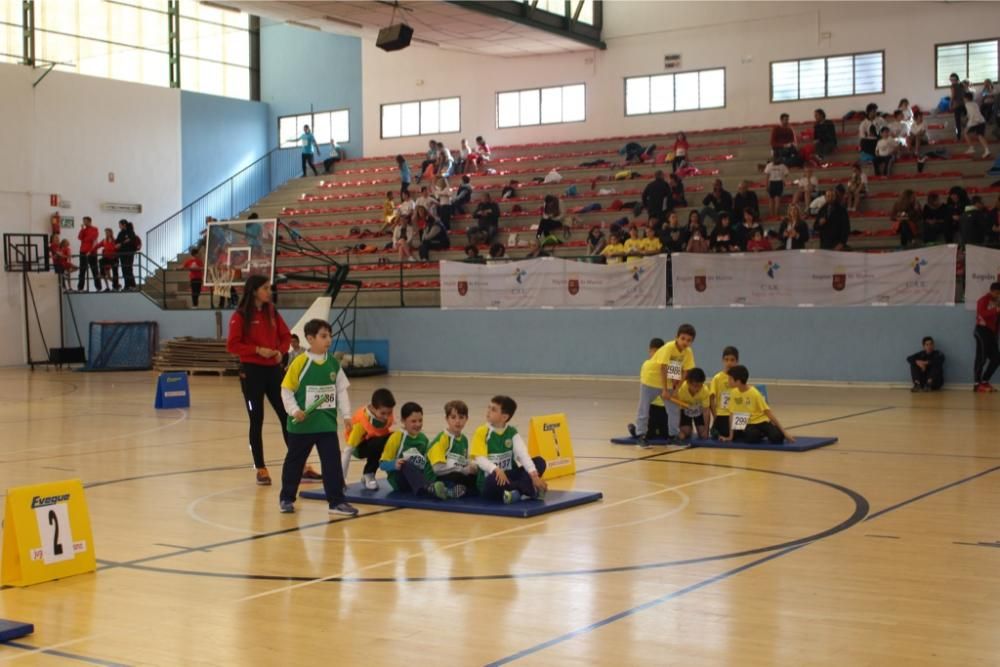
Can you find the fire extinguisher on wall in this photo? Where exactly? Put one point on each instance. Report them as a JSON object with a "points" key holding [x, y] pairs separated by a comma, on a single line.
{"points": [[54, 220]]}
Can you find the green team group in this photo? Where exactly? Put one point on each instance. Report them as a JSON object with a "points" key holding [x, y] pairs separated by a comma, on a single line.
{"points": [[676, 402], [495, 464]]}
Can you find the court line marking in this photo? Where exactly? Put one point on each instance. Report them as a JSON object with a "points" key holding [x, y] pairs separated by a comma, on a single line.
{"points": [[855, 414], [480, 538], [54, 649], [711, 580]]}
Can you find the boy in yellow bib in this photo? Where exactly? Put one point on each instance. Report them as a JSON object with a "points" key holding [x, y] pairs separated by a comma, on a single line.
{"points": [[695, 395], [313, 392], [663, 377], [751, 419], [719, 389]]}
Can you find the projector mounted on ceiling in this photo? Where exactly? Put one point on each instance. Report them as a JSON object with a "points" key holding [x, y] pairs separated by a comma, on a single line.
{"points": [[395, 37]]}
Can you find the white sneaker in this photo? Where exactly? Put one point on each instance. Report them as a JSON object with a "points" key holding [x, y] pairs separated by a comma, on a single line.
{"points": [[986, 154], [370, 483], [971, 151]]}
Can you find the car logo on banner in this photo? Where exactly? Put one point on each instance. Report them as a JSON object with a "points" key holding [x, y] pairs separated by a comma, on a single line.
{"points": [[463, 287], [573, 286], [701, 282]]}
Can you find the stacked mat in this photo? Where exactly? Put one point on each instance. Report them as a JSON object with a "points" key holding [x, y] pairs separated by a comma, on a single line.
{"points": [[196, 354]]}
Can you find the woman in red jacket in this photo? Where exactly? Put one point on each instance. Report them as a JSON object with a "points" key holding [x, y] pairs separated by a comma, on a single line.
{"points": [[259, 336]]}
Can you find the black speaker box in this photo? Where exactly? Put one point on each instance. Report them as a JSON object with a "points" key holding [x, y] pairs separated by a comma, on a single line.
{"points": [[394, 38], [67, 355]]}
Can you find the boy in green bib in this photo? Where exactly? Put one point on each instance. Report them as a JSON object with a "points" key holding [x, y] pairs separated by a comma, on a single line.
{"points": [[405, 457], [313, 391], [449, 453], [507, 471]]}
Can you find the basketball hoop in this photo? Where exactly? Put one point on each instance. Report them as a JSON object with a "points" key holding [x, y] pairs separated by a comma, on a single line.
{"points": [[221, 278]]}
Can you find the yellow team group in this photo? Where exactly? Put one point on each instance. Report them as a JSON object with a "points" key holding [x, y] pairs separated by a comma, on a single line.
{"points": [[676, 402]]}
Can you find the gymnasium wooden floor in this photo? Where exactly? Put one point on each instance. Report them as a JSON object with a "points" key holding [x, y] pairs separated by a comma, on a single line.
{"points": [[880, 550]]}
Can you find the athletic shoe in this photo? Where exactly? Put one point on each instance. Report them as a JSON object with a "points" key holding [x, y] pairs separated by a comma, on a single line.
{"points": [[539, 494], [982, 388], [457, 491], [971, 151], [344, 509], [439, 490], [915, 388], [643, 443], [263, 478], [310, 475], [990, 388], [631, 430], [286, 507], [511, 497], [370, 483], [986, 154]]}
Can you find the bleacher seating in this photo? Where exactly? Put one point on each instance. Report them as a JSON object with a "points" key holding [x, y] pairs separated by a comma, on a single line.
{"points": [[342, 213]]}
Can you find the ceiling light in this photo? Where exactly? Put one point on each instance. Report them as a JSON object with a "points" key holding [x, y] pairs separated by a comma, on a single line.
{"points": [[350, 24], [216, 5], [303, 25]]}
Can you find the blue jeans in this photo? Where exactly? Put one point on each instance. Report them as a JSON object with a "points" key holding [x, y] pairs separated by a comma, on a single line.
{"points": [[646, 396]]}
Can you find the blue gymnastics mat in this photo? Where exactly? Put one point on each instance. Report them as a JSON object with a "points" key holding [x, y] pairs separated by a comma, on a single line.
{"points": [[11, 630], [554, 501], [803, 443]]}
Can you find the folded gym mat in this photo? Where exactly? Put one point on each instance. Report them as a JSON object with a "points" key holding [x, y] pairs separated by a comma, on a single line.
{"points": [[11, 630], [802, 443], [554, 501]]}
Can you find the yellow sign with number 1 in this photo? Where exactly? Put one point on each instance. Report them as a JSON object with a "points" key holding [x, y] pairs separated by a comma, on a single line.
{"points": [[46, 534], [549, 438]]}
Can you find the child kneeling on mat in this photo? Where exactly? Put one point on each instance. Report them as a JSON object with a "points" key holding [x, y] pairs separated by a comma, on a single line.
{"points": [[695, 395], [506, 471], [719, 389], [751, 419], [449, 452], [313, 390], [405, 457], [367, 433]]}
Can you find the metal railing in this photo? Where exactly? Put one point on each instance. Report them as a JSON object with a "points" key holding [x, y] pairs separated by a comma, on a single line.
{"points": [[223, 202]]}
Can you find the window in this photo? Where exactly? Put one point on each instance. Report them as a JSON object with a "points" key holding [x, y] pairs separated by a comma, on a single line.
{"points": [[685, 91], [324, 124], [833, 76], [542, 106], [975, 61], [10, 32], [559, 8], [410, 119]]}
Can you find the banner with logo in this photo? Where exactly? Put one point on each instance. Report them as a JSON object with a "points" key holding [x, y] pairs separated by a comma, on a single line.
{"points": [[550, 282], [816, 278], [982, 269]]}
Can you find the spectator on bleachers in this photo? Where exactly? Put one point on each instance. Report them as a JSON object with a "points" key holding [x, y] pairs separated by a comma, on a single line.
{"points": [[905, 216], [466, 158], [976, 126], [885, 153], [725, 236], [442, 201], [405, 238], [425, 200], [793, 234], [651, 244], [783, 144], [857, 187], [388, 213], [904, 108], [824, 135], [309, 145], [509, 191], [614, 251], [406, 205], [869, 130], [918, 135], [986, 101], [463, 197], [698, 240], [957, 103], [958, 201], [656, 197], [596, 241], [472, 255], [975, 223], [899, 129], [498, 251], [758, 242], [430, 159], [483, 151], [633, 245], [445, 161], [405, 177], [680, 151], [745, 200], [775, 173], [747, 226], [336, 155], [808, 187], [716, 202], [433, 237], [937, 223], [677, 198], [552, 218], [833, 224], [673, 237], [487, 215]]}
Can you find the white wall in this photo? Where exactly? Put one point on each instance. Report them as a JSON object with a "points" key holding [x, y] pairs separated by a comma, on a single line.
{"points": [[64, 137], [743, 37]]}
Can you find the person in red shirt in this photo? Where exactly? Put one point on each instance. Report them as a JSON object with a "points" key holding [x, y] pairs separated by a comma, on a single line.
{"points": [[195, 268], [783, 140], [62, 258], [88, 255], [259, 337], [987, 353], [109, 260]]}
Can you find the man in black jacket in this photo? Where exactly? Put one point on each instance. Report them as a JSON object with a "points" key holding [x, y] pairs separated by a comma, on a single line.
{"points": [[833, 225], [824, 134], [487, 214], [656, 199], [926, 367]]}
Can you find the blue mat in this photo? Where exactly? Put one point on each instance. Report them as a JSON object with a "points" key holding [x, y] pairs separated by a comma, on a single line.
{"points": [[11, 630], [802, 443], [554, 500]]}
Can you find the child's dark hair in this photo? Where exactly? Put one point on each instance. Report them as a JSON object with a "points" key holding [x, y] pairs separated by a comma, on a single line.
{"points": [[313, 327], [696, 375], [995, 287], [927, 339], [738, 373], [383, 398], [656, 343], [508, 406], [458, 407], [409, 408], [686, 329], [295, 337], [730, 351], [969, 96]]}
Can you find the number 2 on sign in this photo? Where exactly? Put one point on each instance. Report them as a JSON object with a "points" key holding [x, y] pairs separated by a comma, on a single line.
{"points": [[740, 421], [55, 533]]}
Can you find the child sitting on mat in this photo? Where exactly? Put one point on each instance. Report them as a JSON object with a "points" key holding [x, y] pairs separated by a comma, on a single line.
{"points": [[313, 391], [405, 457], [663, 377], [657, 427], [751, 419], [719, 390], [449, 452], [506, 471], [366, 436], [695, 395]]}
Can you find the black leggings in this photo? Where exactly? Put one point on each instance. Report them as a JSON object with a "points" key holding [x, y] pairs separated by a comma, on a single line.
{"points": [[987, 355], [257, 382], [299, 447], [518, 479], [307, 159], [933, 377]]}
